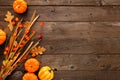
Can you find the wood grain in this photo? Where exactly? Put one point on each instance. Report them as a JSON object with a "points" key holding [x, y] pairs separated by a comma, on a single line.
{"points": [[79, 37], [87, 75], [82, 37], [54, 2], [65, 2], [69, 13], [110, 2], [80, 62], [77, 75]]}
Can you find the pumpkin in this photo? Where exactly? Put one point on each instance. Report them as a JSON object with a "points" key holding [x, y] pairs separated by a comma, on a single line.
{"points": [[29, 76], [20, 6], [2, 36], [32, 65], [46, 73]]}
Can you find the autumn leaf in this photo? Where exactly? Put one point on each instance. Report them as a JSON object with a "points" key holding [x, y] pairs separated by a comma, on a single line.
{"points": [[27, 23], [9, 18], [10, 27], [5, 62], [15, 43], [38, 50], [20, 43]]}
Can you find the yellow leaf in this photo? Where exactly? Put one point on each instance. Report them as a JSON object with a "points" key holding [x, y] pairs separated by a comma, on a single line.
{"points": [[38, 50], [10, 27], [5, 62], [15, 43], [9, 18]]}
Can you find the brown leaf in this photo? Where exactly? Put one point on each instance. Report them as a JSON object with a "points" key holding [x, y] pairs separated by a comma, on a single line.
{"points": [[10, 27], [9, 18], [38, 50], [27, 23], [15, 43]]}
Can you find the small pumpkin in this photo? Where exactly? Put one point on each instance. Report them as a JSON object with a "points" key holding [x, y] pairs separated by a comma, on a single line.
{"points": [[20, 6], [46, 73], [2, 36], [32, 65], [29, 76]]}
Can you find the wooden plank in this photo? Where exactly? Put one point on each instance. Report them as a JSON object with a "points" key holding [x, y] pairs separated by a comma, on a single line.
{"points": [[62, 34], [65, 2], [105, 37], [80, 62], [84, 30], [110, 2], [82, 37], [86, 69], [87, 75], [79, 37], [54, 2], [76, 75], [69, 13], [69, 37]]}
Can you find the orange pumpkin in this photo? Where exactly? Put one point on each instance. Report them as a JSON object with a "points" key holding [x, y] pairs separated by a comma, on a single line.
{"points": [[20, 6], [32, 65], [2, 36], [46, 73], [29, 76]]}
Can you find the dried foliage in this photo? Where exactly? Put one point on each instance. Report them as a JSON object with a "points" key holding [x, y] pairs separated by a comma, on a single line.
{"points": [[17, 49]]}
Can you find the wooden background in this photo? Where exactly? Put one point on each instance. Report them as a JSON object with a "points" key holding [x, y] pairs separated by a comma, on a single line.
{"points": [[82, 37]]}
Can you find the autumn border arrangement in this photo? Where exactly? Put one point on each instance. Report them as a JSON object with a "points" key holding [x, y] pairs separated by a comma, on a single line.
{"points": [[20, 43]]}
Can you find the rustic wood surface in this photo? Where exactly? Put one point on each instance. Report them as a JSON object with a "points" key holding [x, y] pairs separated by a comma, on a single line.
{"points": [[55, 2], [69, 13], [82, 37]]}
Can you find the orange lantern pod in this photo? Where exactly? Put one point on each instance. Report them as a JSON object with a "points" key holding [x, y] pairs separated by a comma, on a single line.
{"points": [[42, 24], [16, 19], [5, 52]]}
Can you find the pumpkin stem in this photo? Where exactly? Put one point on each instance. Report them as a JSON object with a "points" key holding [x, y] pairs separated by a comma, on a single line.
{"points": [[18, 6], [52, 69]]}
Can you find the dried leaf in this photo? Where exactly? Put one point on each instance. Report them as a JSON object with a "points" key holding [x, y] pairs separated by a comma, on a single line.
{"points": [[10, 27], [14, 57], [9, 63], [15, 54], [5, 62], [15, 43], [9, 18], [27, 23], [38, 50]]}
